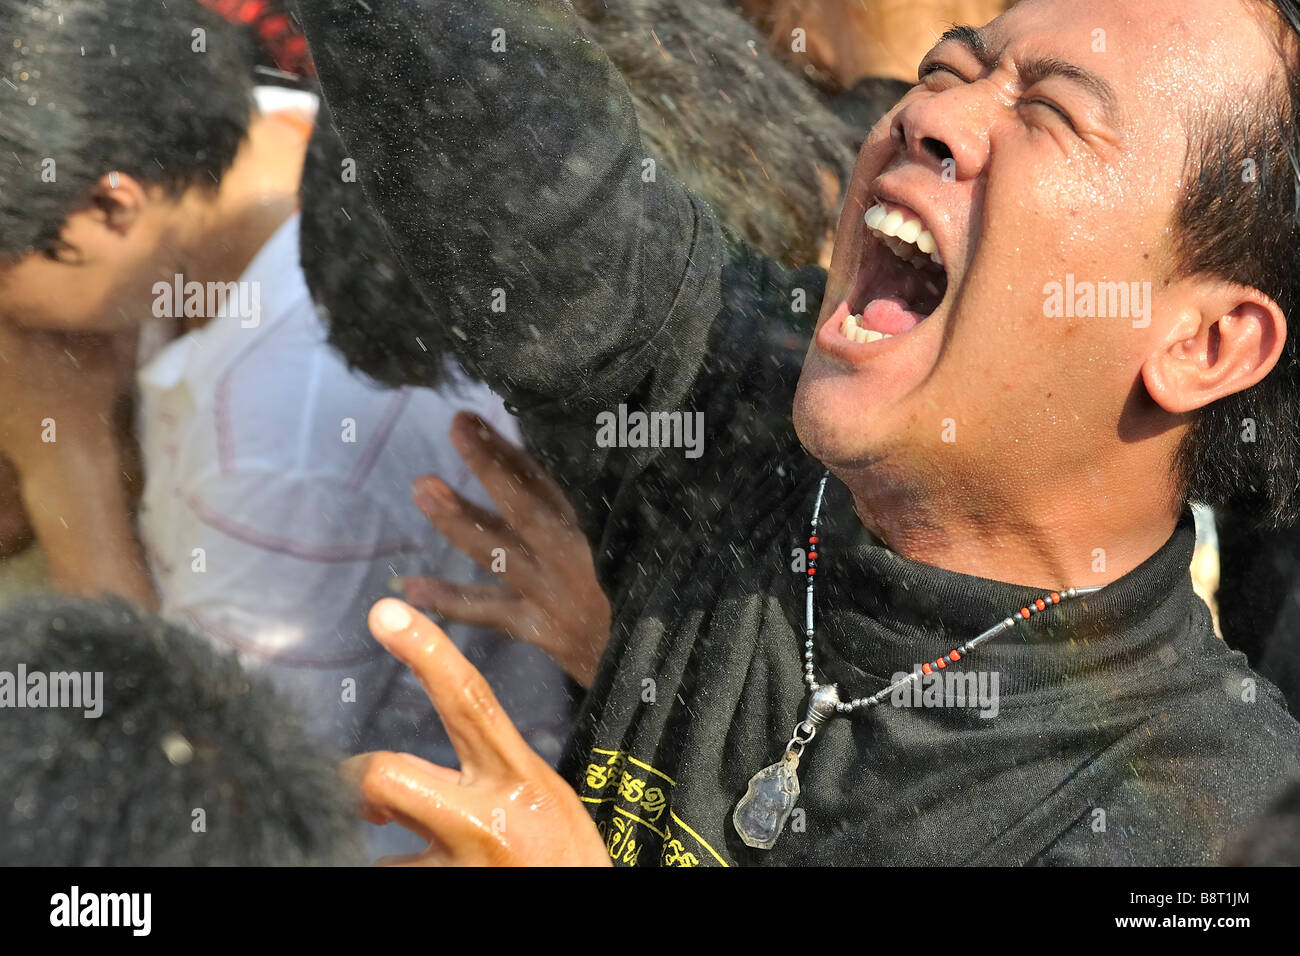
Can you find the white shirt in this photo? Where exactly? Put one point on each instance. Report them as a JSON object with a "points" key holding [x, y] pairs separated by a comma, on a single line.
{"points": [[277, 509]]}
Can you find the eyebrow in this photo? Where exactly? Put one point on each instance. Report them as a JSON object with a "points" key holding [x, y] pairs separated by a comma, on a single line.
{"points": [[1036, 69], [970, 37]]}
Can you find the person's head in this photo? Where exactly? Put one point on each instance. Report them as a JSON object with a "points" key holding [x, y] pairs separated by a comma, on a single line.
{"points": [[722, 115], [838, 44], [169, 754], [1114, 199], [111, 115]]}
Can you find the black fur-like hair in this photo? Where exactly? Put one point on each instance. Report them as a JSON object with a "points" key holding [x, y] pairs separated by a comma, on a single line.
{"points": [[87, 791], [375, 316]]}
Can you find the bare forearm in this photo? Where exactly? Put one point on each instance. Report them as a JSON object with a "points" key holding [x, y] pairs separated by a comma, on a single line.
{"points": [[74, 495]]}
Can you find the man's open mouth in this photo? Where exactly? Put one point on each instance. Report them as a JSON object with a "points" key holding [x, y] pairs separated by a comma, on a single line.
{"points": [[901, 280]]}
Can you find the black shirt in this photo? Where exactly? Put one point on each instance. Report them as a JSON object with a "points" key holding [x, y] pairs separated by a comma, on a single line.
{"points": [[1125, 732]]}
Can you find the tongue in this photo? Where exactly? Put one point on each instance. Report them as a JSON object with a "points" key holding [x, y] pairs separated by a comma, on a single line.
{"points": [[891, 316]]}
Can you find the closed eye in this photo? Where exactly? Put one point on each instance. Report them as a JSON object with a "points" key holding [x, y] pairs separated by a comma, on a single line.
{"points": [[929, 69], [1053, 107]]}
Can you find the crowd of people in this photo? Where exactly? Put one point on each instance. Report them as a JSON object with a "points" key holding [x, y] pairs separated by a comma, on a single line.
{"points": [[314, 321]]}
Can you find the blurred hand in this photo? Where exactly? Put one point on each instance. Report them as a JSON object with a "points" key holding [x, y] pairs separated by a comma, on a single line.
{"points": [[549, 596], [505, 806]]}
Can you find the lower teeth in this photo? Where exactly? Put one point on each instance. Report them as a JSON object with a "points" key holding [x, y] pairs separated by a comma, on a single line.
{"points": [[854, 332]]}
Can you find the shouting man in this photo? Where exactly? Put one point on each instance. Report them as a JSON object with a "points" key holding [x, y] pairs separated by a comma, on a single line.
{"points": [[1056, 313]]}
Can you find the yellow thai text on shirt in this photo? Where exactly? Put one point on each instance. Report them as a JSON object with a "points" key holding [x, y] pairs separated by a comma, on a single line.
{"points": [[640, 796]]}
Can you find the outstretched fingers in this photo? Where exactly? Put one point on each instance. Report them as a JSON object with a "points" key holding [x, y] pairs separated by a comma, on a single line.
{"points": [[485, 739]]}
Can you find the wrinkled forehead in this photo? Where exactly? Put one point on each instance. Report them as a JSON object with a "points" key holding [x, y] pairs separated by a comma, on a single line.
{"points": [[1161, 57]]}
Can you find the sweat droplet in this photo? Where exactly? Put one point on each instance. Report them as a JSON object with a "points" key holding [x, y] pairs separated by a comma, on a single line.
{"points": [[178, 749]]}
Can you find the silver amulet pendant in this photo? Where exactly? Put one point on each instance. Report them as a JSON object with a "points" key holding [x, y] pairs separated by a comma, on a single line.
{"points": [[762, 812]]}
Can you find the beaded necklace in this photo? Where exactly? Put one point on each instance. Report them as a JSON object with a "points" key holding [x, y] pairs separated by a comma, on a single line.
{"points": [[762, 812]]}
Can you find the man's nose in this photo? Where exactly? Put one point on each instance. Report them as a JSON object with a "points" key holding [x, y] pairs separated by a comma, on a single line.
{"points": [[947, 132]]}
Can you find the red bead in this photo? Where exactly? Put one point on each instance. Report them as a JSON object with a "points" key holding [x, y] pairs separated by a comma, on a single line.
{"points": [[1039, 604], [812, 556], [812, 570], [1024, 612], [954, 656], [927, 669], [941, 663], [813, 539], [1056, 598]]}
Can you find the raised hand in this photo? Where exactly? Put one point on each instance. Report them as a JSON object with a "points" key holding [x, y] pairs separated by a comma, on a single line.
{"points": [[549, 595], [505, 806]]}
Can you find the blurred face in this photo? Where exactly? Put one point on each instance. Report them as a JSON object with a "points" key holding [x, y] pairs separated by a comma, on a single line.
{"points": [[1044, 151], [99, 277], [846, 42]]}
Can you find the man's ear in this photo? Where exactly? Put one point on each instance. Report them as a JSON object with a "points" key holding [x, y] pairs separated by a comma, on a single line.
{"points": [[1225, 339], [117, 202]]}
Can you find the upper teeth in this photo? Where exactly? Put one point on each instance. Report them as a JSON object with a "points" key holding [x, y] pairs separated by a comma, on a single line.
{"points": [[906, 237]]}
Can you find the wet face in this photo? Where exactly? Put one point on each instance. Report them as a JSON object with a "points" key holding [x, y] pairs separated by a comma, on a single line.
{"points": [[1044, 151]]}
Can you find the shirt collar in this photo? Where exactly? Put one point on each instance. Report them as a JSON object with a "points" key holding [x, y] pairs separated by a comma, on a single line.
{"points": [[887, 613], [274, 283]]}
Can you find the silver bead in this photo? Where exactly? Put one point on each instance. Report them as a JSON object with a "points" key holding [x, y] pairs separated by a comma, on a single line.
{"points": [[823, 702]]}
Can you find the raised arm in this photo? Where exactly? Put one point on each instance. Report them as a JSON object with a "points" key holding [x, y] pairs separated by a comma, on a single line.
{"points": [[501, 148], [502, 152]]}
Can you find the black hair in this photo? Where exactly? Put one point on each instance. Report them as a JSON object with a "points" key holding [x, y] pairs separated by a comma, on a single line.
{"points": [[1240, 222], [374, 314], [183, 729], [728, 120], [869, 99], [128, 86]]}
